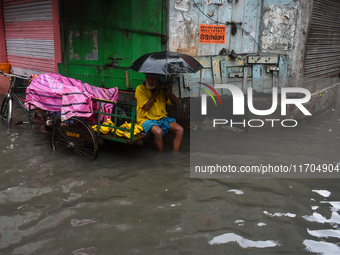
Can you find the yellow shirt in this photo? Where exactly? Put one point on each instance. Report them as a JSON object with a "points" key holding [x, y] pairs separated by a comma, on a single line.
{"points": [[157, 110]]}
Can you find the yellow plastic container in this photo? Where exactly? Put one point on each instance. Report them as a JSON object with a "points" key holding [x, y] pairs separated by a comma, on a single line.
{"points": [[4, 67]]}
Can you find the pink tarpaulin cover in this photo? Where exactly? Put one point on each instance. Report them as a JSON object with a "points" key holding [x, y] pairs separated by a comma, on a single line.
{"points": [[71, 97]]}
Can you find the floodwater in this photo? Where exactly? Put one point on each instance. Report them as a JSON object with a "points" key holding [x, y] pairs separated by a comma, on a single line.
{"points": [[134, 200]]}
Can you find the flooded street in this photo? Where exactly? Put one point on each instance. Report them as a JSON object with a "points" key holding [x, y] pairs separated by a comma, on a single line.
{"points": [[134, 200]]}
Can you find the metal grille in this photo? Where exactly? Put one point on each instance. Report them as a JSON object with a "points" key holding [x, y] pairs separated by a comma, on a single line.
{"points": [[29, 36], [30, 48], [41, 10], [323, 52]]}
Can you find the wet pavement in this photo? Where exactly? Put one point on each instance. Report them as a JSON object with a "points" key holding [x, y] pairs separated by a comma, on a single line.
{"points": [[134, 200]]}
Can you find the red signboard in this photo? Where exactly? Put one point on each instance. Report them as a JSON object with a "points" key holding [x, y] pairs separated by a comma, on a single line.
{"points": [[212, 34]]}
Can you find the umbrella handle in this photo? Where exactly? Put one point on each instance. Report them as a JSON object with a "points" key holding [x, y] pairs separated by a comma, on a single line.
{"points": [[165, 93]]}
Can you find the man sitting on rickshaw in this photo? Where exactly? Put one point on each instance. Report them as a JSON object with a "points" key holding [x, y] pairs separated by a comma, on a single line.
{"points": [[151, 111]]}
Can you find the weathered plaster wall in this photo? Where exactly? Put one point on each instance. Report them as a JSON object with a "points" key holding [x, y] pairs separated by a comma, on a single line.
{"points": [[271, 29], [278, 28], [284, 30], [183, 31], [184, 21], [300, 40]]}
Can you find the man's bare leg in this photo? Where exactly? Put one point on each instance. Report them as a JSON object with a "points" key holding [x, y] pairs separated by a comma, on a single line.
{"points": [[158, 137], [178, 131]]}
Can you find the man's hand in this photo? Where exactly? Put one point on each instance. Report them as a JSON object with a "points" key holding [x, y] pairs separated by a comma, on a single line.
{"points": [[157, 89], [167, 87], [173, 98]]}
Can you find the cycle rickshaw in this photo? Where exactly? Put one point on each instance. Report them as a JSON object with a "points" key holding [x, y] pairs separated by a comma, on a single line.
{"points": [[107, 120], [102, 113]]}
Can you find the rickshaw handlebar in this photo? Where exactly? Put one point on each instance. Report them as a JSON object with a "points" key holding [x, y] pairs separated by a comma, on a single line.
{"points": [[14, 75]]}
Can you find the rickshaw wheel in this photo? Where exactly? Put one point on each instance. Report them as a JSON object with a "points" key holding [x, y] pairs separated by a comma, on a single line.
{"points": [[77, 135], [6, 110]]}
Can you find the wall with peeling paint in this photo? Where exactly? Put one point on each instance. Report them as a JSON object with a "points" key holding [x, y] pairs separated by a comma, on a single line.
{"points": [[278, 28], [272, 31], [184, 25]]}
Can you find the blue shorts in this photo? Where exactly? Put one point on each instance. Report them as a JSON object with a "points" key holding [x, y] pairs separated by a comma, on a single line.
{"points": [[163, 123]]}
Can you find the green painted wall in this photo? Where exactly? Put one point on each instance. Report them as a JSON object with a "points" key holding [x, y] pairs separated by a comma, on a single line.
{"points": [[100, 39]]}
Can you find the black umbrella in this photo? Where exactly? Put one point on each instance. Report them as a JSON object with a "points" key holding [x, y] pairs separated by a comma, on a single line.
{"points": [[166, 62]]}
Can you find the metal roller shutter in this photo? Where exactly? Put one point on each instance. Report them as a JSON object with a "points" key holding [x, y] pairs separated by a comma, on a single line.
{"points": [[29, 36], [323, 52]]}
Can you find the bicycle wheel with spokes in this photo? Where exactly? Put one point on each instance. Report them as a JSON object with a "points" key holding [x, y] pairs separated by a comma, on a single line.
{"points": [[76, 135], [6, 110]]}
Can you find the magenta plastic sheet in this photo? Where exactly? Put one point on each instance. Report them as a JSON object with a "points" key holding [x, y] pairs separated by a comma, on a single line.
{"points": [[71, 97]]}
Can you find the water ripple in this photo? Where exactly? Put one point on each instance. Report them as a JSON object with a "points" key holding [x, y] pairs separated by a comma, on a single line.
{"points": [[21, 194]]}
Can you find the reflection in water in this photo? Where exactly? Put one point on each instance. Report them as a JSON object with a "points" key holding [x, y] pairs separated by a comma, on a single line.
{"points": [[78, 223], [324, 233], [238, 192], [321, 247], [21, 194], [85, 251], [134, 200], [324, 193], [243, 242], [291, 215], [324, 237]]}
